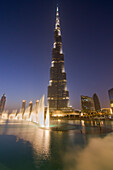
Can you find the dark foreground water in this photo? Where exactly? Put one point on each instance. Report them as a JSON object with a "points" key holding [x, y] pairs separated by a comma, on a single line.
{"points": [[24, 146]]}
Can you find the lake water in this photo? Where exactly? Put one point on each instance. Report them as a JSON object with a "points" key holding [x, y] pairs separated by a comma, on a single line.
{"points": [[25, 146]]}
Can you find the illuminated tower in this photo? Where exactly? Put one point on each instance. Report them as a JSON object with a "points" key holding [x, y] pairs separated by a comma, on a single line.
{"points": [[2, 103], [58, 95]]}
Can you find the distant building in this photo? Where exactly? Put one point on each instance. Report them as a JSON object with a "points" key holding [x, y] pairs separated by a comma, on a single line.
{"points": [[110, 92], [96, 103], [87, 104], [2, 103]]}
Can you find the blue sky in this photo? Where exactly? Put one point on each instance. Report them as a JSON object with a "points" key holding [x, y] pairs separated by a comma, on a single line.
{"points": [[26, 40]]}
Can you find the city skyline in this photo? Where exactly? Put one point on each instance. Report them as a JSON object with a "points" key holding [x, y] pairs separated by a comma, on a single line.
{"points": [[26, 44]]}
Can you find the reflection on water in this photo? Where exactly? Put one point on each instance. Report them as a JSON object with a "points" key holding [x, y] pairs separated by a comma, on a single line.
{"points": [[28, 132], [24, 145]]}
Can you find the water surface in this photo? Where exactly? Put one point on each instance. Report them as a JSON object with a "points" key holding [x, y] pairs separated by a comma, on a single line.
{"points": [[25, 146]]}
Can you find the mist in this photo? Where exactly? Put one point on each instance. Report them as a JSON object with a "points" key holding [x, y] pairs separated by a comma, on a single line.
{"points": [[97, 155]]}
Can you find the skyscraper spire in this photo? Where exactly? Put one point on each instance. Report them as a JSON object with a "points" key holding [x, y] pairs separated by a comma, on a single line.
{"points": [[57, 24]]}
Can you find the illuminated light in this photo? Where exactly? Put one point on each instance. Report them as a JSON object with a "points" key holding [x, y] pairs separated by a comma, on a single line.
{"points": [[63, 70], [57, 61], [51, 98], [61, 51], [30, 102], [57, 14], [110, 111], [64, 80], [81, 114], [50, 82], [54, 45], [82, 122], [111, 104], [24, 101], [59, 120], [58, 115], [66, 90], [52, 64], [59, 32]]}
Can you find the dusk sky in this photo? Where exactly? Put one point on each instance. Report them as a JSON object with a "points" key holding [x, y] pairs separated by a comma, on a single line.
{"points": [[26, 41]]}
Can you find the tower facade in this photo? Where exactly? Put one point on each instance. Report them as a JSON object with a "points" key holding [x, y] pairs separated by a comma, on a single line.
{"points": [[96, 103], [87, 104], [58, 95]]}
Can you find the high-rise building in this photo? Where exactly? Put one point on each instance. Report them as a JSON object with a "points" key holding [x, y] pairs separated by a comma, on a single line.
{"points": [[96, 103], [87, 104], [58, 95], [110, 92], [2, 103]]}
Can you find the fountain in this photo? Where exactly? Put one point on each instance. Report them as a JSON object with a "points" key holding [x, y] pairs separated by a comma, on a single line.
{"points": [[13, 114], [5, 115], [41, 112], [37, 114], [34, 114]]}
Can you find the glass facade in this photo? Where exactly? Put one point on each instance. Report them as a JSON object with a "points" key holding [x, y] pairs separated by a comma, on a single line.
{"points": [[87, 104], [96, 103]]}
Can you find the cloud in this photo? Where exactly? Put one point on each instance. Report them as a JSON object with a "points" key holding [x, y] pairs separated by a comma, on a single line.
{"points": [[97, 155]]}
